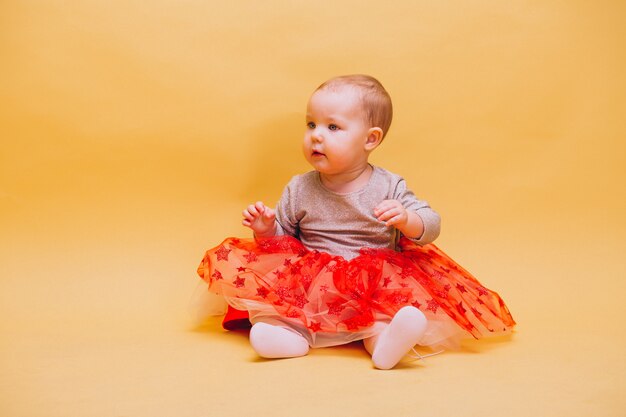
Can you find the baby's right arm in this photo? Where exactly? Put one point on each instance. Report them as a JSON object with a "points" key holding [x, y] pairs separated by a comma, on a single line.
{"points": [[261, 219]]}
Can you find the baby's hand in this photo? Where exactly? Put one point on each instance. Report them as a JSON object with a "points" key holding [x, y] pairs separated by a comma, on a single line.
{"points": [[261, 219], [392, 212]]}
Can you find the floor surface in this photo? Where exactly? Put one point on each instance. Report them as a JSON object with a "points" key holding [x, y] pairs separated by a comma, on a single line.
{"points": [[105, 328]]}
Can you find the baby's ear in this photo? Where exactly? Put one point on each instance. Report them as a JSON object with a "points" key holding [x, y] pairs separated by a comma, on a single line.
{"points": [[374, 137]]}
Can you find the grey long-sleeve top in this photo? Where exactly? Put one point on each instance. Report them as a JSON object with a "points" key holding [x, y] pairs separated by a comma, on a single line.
{"points": [[341, 224]]}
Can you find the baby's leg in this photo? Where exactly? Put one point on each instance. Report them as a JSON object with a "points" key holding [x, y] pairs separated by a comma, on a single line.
{"points": [[277, 342], [396, 339]]}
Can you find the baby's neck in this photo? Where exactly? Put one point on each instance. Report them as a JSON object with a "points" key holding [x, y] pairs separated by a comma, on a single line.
{"points": [[347, 182]]}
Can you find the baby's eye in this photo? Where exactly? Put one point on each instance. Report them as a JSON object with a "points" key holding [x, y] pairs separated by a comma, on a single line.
{"points": [[333, 127], [311, 125]]}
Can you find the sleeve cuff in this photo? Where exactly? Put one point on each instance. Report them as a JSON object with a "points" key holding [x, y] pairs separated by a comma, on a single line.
{"points": [[432, 226]]}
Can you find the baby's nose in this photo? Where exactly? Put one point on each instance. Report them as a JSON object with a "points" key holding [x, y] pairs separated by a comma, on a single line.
{"points": [[316, 135]]}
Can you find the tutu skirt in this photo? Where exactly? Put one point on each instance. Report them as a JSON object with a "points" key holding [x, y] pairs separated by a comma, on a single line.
{"points": [[330, 300]]}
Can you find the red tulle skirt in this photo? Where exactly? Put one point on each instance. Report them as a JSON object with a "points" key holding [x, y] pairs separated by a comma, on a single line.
{"points": [[331, 300]]}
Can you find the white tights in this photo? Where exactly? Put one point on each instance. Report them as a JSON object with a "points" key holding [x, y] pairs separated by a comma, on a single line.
{"points": [[387, 348]]}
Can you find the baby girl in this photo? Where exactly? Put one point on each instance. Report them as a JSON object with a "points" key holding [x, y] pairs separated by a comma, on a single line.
{"points": [[347, 255]]}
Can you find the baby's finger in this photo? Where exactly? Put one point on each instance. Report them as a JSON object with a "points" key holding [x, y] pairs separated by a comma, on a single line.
{"points": [[247, 215], [384, 206], [388, 214], [380, 207], [246, 223], [253, 210], [260, 206], [269, 213], [394, 220]]}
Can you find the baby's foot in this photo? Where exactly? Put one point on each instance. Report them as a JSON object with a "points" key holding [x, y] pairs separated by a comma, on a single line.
{"points": [[277, 342], [404, 331]]}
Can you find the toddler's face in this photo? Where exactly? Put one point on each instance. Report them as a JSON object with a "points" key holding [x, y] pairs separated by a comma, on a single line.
{"points": [[337, 131]]}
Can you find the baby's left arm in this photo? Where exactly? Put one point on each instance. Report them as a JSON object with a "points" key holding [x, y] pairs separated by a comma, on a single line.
{"points": [[393, 213], [414, 218]]}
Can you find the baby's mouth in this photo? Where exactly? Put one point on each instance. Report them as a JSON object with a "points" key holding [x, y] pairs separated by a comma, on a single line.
{"points": [[317, 153]]}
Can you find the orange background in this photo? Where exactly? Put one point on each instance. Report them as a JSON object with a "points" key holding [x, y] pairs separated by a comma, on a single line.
{"points": [[134, 133]]}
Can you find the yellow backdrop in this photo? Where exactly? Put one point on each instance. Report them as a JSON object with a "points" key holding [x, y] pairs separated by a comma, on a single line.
{"points": [[133, 133]]}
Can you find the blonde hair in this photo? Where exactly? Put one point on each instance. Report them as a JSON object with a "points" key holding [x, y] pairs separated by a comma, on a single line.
{"points": [[374, 98]]}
